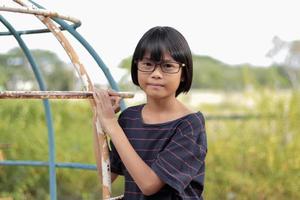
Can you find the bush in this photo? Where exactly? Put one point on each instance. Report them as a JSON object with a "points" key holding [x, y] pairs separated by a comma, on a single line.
{"points": [[22, 125], [256, 158]]}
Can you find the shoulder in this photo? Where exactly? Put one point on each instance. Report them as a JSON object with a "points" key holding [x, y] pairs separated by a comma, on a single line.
{"points": [[192, 123], [131, 112], [191, 131], [195, 119]]}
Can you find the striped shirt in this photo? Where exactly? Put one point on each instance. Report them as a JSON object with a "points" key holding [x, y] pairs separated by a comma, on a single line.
{"points": [[175, 151]]}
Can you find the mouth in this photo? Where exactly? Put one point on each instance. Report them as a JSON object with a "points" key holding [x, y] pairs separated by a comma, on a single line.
{"points": [[155, 85]]}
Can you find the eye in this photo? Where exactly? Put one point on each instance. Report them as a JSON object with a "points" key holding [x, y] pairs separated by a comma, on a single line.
{"points": [[148, 64], [169, 65]]}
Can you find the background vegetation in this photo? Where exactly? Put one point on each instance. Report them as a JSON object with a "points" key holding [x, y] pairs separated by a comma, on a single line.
{"points": [[16, 72], [253, 156], [210, 73]]}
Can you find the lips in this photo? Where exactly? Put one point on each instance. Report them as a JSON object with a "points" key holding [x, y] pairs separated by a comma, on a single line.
{"points": [[155, 85]]}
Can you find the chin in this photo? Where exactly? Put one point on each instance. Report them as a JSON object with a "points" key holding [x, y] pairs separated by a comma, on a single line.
{"points": [[155, 94], [158, 95]]}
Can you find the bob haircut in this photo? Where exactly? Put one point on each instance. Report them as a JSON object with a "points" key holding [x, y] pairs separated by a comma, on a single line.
{"points": [[156, 42]]}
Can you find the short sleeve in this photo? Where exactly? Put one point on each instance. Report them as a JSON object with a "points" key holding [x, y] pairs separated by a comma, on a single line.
{"points": [[183, 157], [115, 160], [116, 164]]}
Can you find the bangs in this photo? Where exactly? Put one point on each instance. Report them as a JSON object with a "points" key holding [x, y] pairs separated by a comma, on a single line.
{"points": [[157, 45], [155, 48]]}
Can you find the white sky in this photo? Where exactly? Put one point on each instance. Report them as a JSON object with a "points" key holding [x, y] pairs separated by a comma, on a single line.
{"points": [[233, 31]]}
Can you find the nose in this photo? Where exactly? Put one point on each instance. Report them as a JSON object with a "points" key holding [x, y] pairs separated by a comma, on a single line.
{"points": [[157, 73]]}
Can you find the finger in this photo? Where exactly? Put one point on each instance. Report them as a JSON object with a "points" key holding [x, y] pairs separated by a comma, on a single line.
{"points": [[112, 92], [96, 94], [105, 100], [116, 106], [99, 95], [115, 99], [118, 100], [117, 109]]}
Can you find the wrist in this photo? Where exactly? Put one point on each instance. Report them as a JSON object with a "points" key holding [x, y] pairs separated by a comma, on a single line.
{"points": [[109, 126]]}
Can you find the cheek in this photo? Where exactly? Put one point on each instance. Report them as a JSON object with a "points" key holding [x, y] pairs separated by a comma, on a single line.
{"points": [[141, 79], [173, 83], [177, 80], [176, 83]]}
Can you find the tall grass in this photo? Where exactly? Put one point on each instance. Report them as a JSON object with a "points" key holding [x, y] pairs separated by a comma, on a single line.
{"points": [[22, 125], [255, 158]]}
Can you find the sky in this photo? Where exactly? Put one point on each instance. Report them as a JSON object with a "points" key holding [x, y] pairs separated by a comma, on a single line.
{"points": [[232, 31]]}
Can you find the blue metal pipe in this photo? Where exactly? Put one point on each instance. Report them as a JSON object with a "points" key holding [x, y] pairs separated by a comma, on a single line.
{"points": [[46, 164], [36, 31], [51, 147]]}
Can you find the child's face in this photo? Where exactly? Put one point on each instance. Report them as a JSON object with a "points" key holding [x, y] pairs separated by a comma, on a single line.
{"points": [[159, 83]]}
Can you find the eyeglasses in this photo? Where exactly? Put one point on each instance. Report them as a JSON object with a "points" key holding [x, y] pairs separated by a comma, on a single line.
{"points": [[169, 67]]}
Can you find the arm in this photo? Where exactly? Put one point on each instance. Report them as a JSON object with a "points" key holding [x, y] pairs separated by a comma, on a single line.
{"points": [[136, 167], [115, 101]]}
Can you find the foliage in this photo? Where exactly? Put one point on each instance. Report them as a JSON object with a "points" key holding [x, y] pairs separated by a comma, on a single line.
{"points": [[210, 73], [16, 72], [256, 158], [22, 125], [247, 159]]}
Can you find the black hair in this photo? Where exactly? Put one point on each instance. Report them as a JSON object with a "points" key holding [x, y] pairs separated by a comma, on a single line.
{"points": [[159, 40]]}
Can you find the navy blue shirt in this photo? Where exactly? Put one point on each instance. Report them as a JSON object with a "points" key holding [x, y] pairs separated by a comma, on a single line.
{"points": [[175, 151]]}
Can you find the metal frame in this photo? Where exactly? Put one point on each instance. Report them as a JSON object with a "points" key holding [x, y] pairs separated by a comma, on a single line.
{"points": [[47, 18]]}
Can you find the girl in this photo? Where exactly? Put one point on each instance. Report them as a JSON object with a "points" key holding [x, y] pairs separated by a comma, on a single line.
{"points": [[159, 146]]}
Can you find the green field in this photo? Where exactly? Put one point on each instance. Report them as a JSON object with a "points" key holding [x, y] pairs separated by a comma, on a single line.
{"points": [[252, 156]]}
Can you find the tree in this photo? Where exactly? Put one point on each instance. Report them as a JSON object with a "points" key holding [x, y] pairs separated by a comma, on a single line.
{"points": [[16, 72], [210, 73], [287, 55]]}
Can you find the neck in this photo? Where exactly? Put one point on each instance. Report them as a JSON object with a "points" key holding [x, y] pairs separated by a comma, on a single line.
{"points": [[163, 110], [162, 105]]}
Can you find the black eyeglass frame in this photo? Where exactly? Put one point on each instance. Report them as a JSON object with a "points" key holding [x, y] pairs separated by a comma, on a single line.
{"points": [[156, 64]]}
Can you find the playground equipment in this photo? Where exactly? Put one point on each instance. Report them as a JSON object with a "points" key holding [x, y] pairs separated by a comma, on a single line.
{"points": [[48, 18]]}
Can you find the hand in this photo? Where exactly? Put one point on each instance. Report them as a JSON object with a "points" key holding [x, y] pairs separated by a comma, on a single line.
{"points": [[115, 100], [105, 109]]}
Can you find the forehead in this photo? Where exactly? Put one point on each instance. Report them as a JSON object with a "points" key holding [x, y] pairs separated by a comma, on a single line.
{"points": [[164, 56]]}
